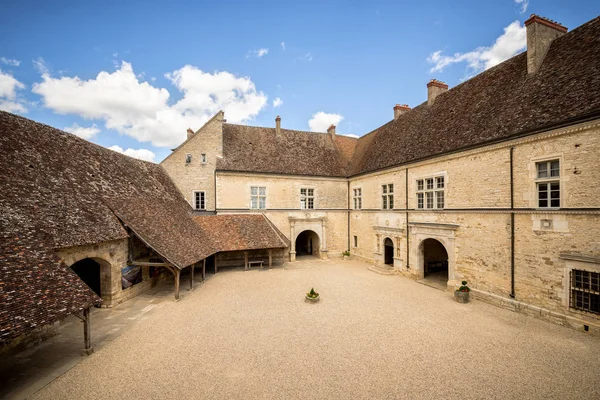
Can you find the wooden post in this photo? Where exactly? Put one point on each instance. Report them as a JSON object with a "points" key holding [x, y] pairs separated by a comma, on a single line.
{"points": [[203, 269], [270, 259], [192, 276], [177, 273], [245, 261], [87, 332]]}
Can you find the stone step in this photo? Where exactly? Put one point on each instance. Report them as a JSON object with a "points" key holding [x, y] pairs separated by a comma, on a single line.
{"points": [[382, 269]]}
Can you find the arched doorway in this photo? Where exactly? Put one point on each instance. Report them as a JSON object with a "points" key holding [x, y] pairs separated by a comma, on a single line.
{"points": [[307, 244], [388, 253], [435, 262], [88, 270]]}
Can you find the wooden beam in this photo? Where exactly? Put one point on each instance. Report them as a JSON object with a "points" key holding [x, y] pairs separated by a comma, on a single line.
{"points": [[87, 332], [192, 276], [177, 272], [203, 269], [245, 261], [270, 259]]}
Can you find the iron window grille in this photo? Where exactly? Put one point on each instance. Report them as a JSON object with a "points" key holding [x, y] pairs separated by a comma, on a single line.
{"points": [[585, 291]]}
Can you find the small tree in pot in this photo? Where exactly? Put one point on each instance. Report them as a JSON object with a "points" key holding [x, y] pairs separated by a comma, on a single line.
{"points": [[462, 293], [312, 296]]}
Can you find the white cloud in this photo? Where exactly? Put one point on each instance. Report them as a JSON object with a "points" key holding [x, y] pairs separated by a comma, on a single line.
{"points": [[321, 121], [9, 100], [524, 4], [277, 102], [141, 154], [307, 57], [257, 53], [82, 131], [510, 43], [39, 64], [143, 111], [10, 61], [283, 45]]}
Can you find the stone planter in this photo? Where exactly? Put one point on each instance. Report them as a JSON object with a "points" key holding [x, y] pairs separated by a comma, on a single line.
{"points": [[461, 297], [345, 257], [312, 299]]}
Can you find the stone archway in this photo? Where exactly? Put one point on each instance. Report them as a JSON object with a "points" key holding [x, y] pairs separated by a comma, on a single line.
{"points": [[434, 258], [388, 253], [307, 243], [95, 273], [313, 222]]}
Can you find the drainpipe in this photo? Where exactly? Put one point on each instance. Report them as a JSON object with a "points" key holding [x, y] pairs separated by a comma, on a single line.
{"points": [[407, 229], [512, 229], [348, 215]]}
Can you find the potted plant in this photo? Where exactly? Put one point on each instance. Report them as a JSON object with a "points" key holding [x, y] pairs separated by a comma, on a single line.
{"points": [[312, 296], [462, 293], [346, 255]]}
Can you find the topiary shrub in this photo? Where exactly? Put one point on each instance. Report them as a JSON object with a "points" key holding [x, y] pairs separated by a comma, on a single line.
{"points": [[312, 294], [464, 287]]}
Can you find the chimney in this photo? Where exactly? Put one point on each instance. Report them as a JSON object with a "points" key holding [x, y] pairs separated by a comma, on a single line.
{"points": [[331, 130], [400, 109], [190, 133], [540, 34], [278, 125], [434, 89]]}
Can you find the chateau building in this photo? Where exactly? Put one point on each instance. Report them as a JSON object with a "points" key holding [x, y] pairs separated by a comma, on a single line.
{"points": [[493, 181]]}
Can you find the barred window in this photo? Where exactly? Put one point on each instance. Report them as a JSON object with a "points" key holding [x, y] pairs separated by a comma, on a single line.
{"points": [[548, 184], [585, 291], [199, 200], [307, 198], [357, 198], [430, 193], [258, 197], [387, 196]]}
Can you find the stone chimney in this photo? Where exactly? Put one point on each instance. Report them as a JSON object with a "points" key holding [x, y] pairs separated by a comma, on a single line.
{"points": [[278, 125], [540, 34], [190, 133], [434, 89], [331, 130], [400, 109]]}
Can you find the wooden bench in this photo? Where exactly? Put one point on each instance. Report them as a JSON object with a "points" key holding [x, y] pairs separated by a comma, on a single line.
{"points": [[255, 263]]}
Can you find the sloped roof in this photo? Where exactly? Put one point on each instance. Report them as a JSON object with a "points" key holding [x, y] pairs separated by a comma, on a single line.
{"points": [[260, 149], [500, 103], [60, 191], [233, 232]]}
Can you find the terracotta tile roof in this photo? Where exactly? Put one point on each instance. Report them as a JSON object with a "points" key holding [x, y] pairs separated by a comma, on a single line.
{"points": [[259, 149], [497, 104], [60, 191], [242, 232]]}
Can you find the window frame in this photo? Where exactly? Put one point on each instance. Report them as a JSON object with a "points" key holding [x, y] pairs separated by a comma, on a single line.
{"points": [[357, 198], [430, 191], [307, 198], [355, 242], [577, 294], [194, 202], [387, 196], [203, 158], [258, 197], [548, 180]]}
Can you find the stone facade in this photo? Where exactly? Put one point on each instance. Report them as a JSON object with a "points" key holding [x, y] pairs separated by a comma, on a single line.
{"points": [[474, 225]]}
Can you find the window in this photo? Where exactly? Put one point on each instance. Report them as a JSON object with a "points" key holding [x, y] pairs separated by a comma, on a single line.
{"points": [[188, 158], [357, 198], [430, 193], [585, 291], [355, 241], [258, 197], [203, 158], [307, 198], [199, 200], [548, 184], [387, 196]]}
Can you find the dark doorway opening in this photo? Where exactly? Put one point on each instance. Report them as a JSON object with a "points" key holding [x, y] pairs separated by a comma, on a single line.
{"points": [[435, 260], [88, 271], [307, 244], [210, 263], [388, 247]]}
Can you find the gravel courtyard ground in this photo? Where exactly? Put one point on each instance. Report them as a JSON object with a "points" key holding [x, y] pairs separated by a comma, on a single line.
{"points": [[251, 335]]}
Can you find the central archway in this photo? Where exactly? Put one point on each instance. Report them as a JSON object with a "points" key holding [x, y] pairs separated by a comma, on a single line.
{"points": [[388, 247], [435, 262], [307, 244]]}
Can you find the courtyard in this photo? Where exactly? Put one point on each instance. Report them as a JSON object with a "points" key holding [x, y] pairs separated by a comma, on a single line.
{"points": [[251, 335]]}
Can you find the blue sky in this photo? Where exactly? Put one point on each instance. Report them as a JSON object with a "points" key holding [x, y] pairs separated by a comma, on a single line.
{"points": [[137, 74]]}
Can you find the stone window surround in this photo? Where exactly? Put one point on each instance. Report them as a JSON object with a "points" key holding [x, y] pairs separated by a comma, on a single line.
{"points": [[388, 195], [195, 205], [314, 197], [438, 174], [579, 262], [395, 235], [203, 158], [355, 241], [534, 180], [258, 196], [355, 197]]}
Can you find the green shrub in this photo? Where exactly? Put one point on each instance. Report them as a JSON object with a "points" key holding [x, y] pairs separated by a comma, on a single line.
{"points": [[346, 253], [464, 287], [312, 294]]}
